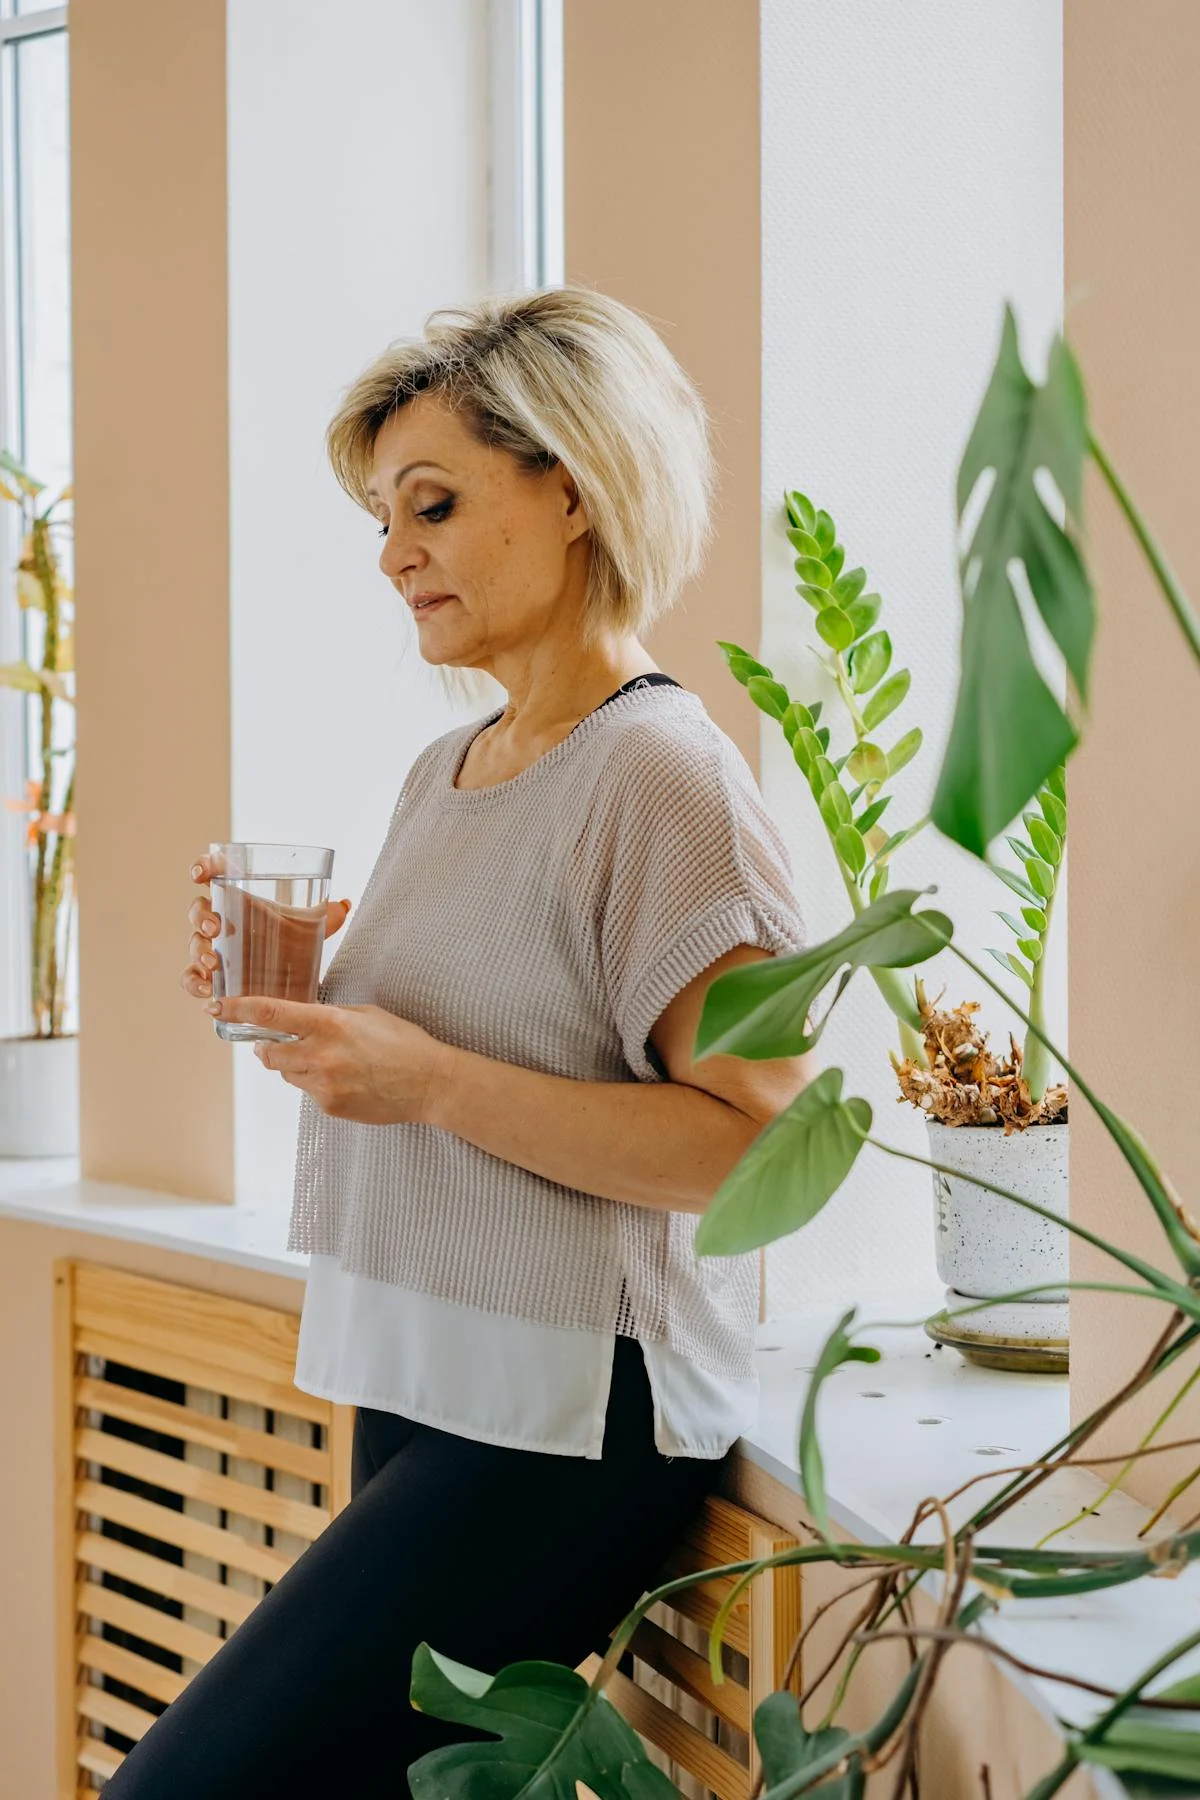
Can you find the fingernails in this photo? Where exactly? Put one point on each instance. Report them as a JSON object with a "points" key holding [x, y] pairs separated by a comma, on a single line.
{"points": [[197, 871], [213, 1006], [210, 925], [347, 904]]}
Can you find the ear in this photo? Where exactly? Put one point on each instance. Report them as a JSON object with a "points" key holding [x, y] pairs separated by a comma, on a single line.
{"points": [[574, 511]]}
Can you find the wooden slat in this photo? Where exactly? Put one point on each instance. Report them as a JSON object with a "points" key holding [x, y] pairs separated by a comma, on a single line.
{"points": [[681, 1741], [198, 1428], [179, 1530], [63, 1376], [690, 1673], [775, 1607], [139, 1672], [103, 1708], [698, 1604], [234, 1334], [180, 1477], [94, 1754], [720, 1532], [178, 1363], [145, 1622], [164, 1578], [340, 1438]]}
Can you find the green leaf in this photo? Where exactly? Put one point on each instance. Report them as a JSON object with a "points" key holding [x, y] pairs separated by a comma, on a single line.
{"points": [[527, 1708], [801, 509], [797, 715], [813, 572], [1140, 1746], [1016, 882], [873, 814], [761, 1009], [834, 559], [1044, 841], [823, 738], [787, 1749], [834, 626], [821, 773], [818, 598], [806, 748], [849, 586], [769, 696], [805, 544], [836, 1350], [868, 661], [814, 707], [740, 661], [1012, 965], [1020, 848], [825, 532], [1009, 731], [1031, 948], [1014, 925], [1054, 812], [835, 808], [879, 881], [1056, 781], [863, 613], [897, 838], [867, 762], [904, 749], [886, 699], [851, 849], [790, 1170], [1035, 918], [1041, 877], [28, 680]]}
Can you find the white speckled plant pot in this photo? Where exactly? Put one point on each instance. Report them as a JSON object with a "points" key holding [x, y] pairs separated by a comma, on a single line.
{"points": [[39, 1096], [987, 1246]]}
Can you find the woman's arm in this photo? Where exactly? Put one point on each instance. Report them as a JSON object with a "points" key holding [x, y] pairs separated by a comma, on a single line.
{"points": [[658, 1144]]}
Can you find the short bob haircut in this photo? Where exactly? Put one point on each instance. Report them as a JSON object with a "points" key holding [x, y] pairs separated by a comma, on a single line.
{"points": [[563, 375]]}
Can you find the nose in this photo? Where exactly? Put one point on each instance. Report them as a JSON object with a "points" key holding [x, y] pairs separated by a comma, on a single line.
{"points": [[401, 553]]}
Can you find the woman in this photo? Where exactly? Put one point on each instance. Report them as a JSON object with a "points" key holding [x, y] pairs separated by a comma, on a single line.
{"points": [[504, 1140]]}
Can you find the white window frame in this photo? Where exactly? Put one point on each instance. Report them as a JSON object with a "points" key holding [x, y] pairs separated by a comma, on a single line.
{"points": [[525, 142], [14, 740]]}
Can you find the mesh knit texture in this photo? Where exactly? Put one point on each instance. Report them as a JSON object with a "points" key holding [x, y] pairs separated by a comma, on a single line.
{"points": [[547, 921]]}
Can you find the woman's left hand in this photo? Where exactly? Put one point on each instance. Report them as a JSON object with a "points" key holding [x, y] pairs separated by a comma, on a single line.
{"points": [[357, 1062]]}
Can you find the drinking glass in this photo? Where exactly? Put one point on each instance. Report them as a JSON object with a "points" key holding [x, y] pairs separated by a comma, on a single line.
{"points": [[271, 901]]}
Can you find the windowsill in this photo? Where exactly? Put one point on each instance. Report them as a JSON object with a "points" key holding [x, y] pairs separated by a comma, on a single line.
{"points": [[883, 1453]]}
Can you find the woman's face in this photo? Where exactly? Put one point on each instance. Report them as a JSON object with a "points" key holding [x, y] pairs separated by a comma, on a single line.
{"points": [[461, 519]]}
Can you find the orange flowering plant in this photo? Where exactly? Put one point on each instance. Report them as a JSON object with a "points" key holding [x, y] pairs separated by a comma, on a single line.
{"points": [[50, 830]]}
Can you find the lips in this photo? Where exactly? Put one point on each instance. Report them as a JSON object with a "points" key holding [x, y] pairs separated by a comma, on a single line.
{"points": [[426, 603]]}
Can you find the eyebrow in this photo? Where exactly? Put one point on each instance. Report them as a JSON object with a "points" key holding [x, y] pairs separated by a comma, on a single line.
{"points": [[373, 493]]}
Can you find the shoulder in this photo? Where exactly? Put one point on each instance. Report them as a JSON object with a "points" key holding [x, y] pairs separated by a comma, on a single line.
{"points": [[672, 754]]}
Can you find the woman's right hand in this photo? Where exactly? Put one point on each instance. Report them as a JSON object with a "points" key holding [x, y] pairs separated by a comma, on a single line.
{"points": [[197, 977]]}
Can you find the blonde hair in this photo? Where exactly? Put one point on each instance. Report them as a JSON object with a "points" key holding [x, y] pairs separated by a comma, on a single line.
{"points": [[563, 375]]}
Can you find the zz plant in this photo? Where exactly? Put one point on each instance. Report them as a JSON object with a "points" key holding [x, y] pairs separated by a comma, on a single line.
{"points": [[1011, 737]]}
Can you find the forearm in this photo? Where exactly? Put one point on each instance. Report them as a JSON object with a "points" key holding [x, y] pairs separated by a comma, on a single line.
{"points": [[655, 1144]]}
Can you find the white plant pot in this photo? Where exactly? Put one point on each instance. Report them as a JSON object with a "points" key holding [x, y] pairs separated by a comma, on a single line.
{"points": [[987, 1246], [39, 1096]]}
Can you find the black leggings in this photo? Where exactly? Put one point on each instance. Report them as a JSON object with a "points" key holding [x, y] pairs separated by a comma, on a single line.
{"points": [[489, 1555]]}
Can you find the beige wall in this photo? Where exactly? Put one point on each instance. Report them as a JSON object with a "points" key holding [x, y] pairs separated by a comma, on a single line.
{"points": [[661, 121], [27, 1574], [152, 553], [1132, 145]]}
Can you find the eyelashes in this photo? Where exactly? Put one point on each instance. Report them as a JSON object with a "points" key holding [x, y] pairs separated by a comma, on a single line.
{"points": [[436, 514]]}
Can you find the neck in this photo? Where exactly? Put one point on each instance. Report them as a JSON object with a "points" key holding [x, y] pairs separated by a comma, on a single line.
{"points": [[555, 687]]}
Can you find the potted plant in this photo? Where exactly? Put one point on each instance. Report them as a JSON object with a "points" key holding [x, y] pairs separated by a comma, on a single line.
{"points": [[556, 1728], [979, 1108], [39, 1091]]}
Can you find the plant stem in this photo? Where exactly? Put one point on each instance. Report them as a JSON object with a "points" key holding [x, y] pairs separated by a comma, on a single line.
{"points": [[1036, 1062], [1176, 599]]}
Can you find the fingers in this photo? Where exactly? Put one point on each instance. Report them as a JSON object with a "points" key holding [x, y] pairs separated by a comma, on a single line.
{"points": [[338, 911], [197, 977]]}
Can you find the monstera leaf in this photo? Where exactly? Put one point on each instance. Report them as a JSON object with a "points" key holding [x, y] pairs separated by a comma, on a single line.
{"points": [[529, 1706], [1009, 730]]}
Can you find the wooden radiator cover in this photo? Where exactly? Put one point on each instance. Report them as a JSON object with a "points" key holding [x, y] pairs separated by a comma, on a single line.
{"points": [[190, 1474]]}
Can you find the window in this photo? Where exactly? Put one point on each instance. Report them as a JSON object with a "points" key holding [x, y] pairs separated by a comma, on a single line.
{"points": [[35, 425], [526, 144]]}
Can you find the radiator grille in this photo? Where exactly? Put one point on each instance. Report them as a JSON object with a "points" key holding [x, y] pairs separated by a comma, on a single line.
{"points": [[191, 1474]]}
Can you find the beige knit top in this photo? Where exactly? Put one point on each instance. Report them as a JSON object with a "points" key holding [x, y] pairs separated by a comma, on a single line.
{"points": [[547, 921]]}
